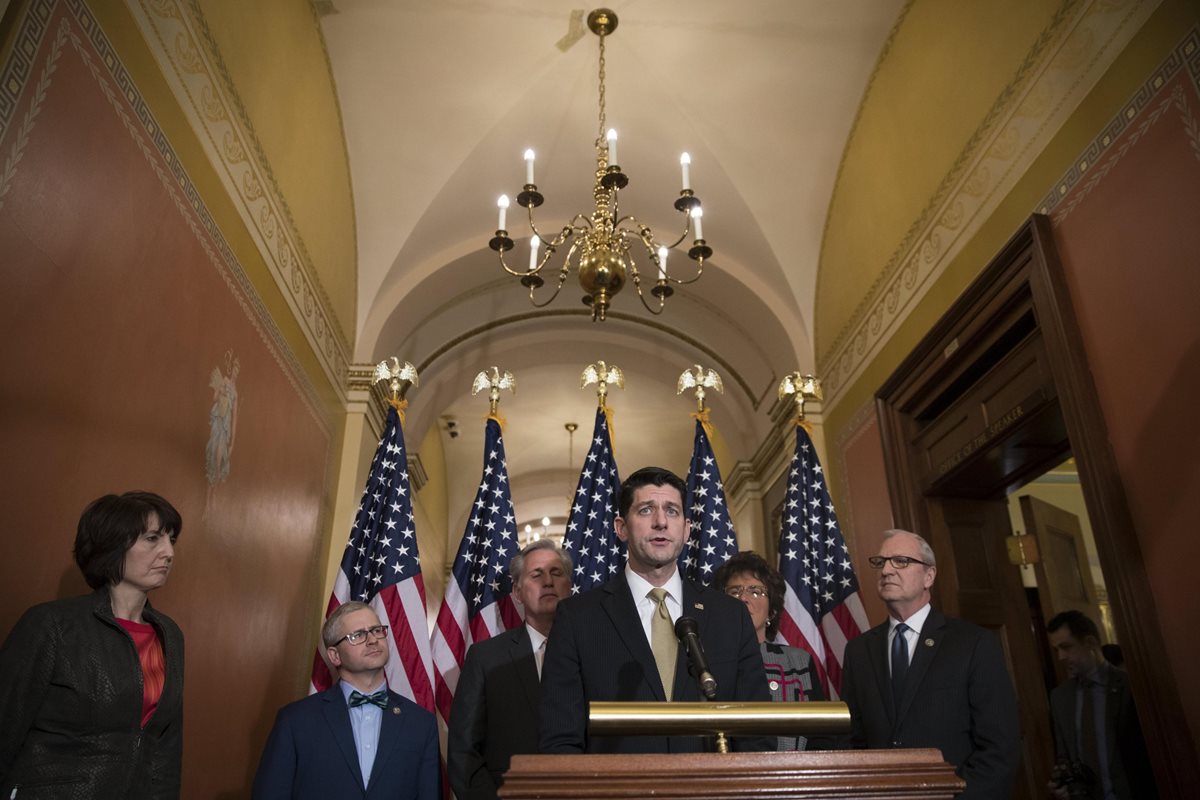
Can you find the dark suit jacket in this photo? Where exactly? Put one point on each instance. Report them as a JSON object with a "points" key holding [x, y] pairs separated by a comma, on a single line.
{"points": [[598, 651], [958, 697], [495, 713], [310, 753], [1128, 762]]}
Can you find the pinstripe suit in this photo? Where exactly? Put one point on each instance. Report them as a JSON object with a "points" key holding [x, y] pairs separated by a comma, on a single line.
{"points": [[598, 651]]}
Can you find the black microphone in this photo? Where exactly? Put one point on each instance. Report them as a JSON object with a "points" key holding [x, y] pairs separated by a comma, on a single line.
{"points": [[686, 632]]}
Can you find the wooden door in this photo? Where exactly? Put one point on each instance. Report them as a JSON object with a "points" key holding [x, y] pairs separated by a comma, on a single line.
{"points": [[1064, 575], [979, 584]]}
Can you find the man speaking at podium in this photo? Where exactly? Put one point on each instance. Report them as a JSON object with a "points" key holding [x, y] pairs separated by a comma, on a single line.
{"points": [[617, 642]]}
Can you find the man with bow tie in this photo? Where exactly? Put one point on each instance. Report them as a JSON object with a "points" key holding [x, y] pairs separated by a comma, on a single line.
{"points": [[922, 679], [356, 739]]}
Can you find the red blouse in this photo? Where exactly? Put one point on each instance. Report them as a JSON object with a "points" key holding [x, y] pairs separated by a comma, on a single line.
{"points": [[154, 667]]}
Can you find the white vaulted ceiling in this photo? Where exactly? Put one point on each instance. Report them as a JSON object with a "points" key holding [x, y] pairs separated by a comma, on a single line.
{"points": [[440, 99]]}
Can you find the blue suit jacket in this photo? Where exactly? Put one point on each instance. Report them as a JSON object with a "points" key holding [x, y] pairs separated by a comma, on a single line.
{"points": [[311, 754]]}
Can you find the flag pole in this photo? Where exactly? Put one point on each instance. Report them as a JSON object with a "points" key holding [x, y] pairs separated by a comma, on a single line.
{"points": [[381, 565], [478, 602], [822, 609], [712, 540], [590, 537]]}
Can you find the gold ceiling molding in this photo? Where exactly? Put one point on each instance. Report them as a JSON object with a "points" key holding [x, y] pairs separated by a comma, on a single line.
{"points": [[176, 34], [1064, 64]]}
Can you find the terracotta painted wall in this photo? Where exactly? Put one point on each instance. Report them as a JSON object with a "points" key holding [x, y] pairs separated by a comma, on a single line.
{"points": [[866, 509], [119, 299], [1126, 229]]}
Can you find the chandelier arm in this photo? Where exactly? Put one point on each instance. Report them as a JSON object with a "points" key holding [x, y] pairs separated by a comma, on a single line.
{"points": [[511, 271], [662, 298], [694, 278], [687, 229], [558, 240], [647, 239], [562, 278]]}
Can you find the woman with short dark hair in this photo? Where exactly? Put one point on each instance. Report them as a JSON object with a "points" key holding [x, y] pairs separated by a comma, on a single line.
{"points": [[92, 687], [790, 674]]}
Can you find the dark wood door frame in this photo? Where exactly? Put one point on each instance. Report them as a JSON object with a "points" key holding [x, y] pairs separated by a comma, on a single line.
{"points": [[1028, 270]]}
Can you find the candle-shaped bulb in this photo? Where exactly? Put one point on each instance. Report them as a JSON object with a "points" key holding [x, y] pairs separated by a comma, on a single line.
{"points": [[612, 147], [529, 166], [697, 215], [662, 263], [533, 251], [685, 161], [502, 204]]}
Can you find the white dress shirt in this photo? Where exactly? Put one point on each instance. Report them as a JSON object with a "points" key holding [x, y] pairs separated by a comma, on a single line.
{"points": [[911, 636], [640, 588]]}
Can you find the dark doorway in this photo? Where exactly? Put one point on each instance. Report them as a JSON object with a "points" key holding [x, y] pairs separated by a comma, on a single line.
{"points": [[997, 394]]}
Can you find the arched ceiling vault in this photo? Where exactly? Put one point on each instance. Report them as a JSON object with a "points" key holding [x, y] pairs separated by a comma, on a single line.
{"points": [[440, 99]]}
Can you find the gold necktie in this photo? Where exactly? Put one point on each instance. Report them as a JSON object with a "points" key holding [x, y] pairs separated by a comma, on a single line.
{"points": [[662, 640]]}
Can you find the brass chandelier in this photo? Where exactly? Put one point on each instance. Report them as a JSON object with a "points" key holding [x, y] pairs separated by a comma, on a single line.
{"points": [[602, 244]]}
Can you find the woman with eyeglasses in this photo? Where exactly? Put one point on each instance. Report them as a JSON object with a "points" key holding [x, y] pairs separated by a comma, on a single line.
{"points": [[791, 676], [91, 687]]}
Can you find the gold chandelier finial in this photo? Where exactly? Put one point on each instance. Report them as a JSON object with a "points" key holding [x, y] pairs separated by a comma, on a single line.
{"points": [[601, 246]]}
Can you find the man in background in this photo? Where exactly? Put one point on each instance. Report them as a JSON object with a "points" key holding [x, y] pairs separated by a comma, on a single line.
{"points": [[495, 711], [1097, 736]]}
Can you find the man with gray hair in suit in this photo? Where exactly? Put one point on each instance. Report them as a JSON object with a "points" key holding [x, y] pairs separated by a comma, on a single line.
{"points": [[495, 711], [922, 679]]}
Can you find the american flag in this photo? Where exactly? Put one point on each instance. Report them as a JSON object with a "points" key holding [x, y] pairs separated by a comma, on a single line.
{"points": [[380, 567], [822, 609], [478, 602], [591, 538], [712, 540]]}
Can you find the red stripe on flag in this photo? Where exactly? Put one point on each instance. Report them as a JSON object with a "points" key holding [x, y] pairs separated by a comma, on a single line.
{"points": [[790, 631], [406, 644]]}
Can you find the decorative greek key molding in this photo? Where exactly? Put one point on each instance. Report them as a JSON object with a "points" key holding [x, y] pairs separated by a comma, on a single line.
{"points": [[175, 32], [1064, 64]]}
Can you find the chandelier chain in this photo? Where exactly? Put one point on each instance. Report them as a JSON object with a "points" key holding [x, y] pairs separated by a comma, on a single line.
{"points": [[600, 137]]}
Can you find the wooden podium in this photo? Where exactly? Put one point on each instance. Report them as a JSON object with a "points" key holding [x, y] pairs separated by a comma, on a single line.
{"points": [[723, 775], [726, 776]]}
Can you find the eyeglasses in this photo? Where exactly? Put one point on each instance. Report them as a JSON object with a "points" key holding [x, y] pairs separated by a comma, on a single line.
{"points": [[358, 637], [899, 562], [757, 592]]}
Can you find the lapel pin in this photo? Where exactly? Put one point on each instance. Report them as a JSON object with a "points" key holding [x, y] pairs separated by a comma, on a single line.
{"points": [[700, 606], [396, 710], [929, 642]]}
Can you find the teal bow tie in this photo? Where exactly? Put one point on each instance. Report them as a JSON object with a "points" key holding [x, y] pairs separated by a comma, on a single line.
{"points": [[379, 698]]}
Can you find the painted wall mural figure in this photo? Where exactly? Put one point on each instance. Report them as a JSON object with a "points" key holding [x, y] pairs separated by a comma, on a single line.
{"points": [[222, 421]]}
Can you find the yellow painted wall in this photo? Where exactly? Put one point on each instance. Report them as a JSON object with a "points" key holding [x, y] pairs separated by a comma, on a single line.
{"points": [[918, 116], [1148, 47], [275, 54]]}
